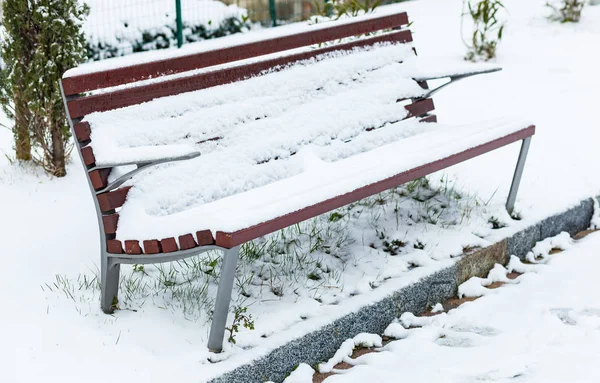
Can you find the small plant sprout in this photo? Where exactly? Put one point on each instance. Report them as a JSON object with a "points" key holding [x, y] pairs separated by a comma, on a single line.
{"points": [[240, 318], [487, 29], [566, 11]]}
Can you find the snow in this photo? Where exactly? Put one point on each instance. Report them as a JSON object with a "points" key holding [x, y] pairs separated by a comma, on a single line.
{"points": [[118, 23], [287, 130], [207, 45], [345, 351], [543, 328], [550, 76]]}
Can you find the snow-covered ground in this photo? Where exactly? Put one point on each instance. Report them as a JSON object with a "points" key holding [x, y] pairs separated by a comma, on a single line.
{"points": [[544, 326], [550, 76]]}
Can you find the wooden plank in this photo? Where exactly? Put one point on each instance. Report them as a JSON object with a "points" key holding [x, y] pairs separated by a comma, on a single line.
{"points": [[133, 247], [83, 131], [429, 118], [168, 245], [114, 247], [110, 223], [229, 240], [187, 242], [124, 75], [420, 108], [152, 247], [112, 200], [205, 238], [87, 154], [80, 107], [99, 178]]}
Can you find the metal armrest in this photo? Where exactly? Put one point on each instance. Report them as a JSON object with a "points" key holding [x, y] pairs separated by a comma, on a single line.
{"points": [[140, 166], [453, 78]]}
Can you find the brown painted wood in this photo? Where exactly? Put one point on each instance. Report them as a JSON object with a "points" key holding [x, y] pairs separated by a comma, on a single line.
{"points": [[110, 223], [168, 245], [229, 240], [99, 178], [87, 154], [152, 247], [83, 131], [420, 108], [103, 102], [133, 247], [205, 238], [429, 118], [112, 200], [187, 242], [114, 247], [124, 75]]}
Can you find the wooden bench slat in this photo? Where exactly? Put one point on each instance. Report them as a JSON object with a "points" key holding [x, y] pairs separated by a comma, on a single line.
{"points": [[114, 247], [110, 223], [229, 240], [88, 156], [112, 200], [169, 245], [103, 102], [133, 248], [83, 131], [152, 247], [119, 76]]}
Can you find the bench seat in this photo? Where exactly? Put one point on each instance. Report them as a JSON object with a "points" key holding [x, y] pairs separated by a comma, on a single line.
{"points": [[320, 187]]}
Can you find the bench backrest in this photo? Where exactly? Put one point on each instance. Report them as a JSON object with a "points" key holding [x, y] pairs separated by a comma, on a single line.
{"points": [[107, 88]]}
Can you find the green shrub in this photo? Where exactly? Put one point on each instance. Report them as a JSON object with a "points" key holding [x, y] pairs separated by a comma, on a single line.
{"points": [[487, 29], [566, 11]]}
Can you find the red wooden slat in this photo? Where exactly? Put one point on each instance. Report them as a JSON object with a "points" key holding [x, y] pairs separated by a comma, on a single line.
{"points": [[420, 108], [169, 245], [229, 240], [205, 238], [112, 200], [133, 247], [110, 223], [187, 242], [83, 106], [99, 178], [118, 76], [87, 154], [83, 131], [430, 118], [152, 247], [114, 247]]}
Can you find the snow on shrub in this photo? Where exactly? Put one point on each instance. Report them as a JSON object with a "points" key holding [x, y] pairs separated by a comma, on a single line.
{"points": [[487, 29], [566, 11], [117, 28]]}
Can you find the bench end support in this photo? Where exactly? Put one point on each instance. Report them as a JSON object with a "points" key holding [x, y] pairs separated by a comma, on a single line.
{"points": [[109, 284], [514, 188], [217, 329]]}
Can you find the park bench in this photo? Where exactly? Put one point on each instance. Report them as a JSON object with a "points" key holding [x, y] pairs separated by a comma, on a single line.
{"points": [[228, 140]]}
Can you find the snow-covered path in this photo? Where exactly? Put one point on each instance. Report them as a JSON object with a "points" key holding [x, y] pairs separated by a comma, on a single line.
{"points": [[543, 328]]}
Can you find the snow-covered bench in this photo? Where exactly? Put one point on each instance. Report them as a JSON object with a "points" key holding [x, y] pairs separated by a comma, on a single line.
{"points": [[225, 141]]}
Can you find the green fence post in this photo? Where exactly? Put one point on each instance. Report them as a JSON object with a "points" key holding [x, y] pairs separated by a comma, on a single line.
{"points": [[273, 12], [179, 23]]}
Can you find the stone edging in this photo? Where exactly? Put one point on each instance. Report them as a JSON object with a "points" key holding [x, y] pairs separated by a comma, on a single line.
{"points": [[321, 344]]}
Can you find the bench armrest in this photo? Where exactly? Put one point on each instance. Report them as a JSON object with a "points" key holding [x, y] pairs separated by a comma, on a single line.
{"points": [[429, 69], [140, 166]]}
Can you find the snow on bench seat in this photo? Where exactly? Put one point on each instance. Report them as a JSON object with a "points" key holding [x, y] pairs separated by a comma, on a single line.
{"points": [[319, 180]]}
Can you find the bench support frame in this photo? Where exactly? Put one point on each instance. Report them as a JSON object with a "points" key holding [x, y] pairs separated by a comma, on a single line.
{"points": [[514, 187]]}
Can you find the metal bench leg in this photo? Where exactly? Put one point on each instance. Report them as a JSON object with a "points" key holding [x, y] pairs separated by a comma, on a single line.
{"points": [[514, 188], [109, 284], [217, 329]]}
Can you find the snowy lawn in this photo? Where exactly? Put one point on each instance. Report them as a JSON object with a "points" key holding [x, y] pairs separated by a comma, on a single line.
{"points": [[544, 326], [49, 229]]}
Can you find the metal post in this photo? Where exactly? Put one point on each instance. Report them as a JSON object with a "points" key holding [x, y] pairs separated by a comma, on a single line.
{"points": [[179, 23], [514, 188], [109, 281], [217, 328], [273, 12]]}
